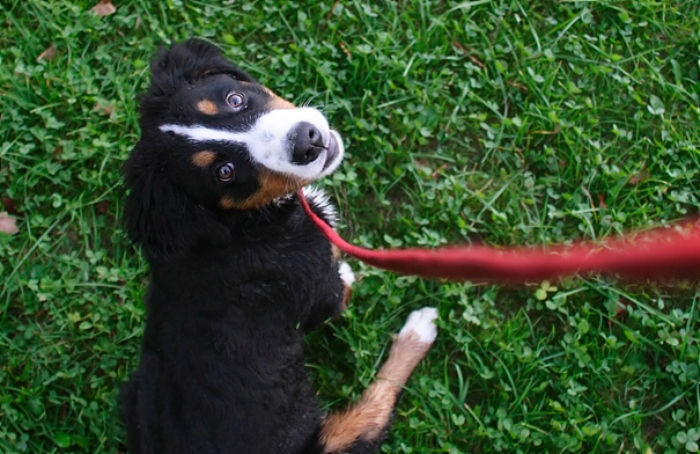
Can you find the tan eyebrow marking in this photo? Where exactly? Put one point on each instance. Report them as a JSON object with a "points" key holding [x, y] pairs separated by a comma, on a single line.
{"points": [[277, 102], [203, 158], [207, 107]]}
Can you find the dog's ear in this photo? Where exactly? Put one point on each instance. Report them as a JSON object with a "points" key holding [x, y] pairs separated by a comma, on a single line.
{"points": [[181, 65], [188, 62], [159, 216]]}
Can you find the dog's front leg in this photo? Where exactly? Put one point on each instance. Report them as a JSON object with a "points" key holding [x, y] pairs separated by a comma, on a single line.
{"points": [[362, 427], [333, 294], [346, 275]]}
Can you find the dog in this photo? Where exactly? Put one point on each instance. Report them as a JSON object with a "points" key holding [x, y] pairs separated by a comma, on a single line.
{"points": [[238, 271]]}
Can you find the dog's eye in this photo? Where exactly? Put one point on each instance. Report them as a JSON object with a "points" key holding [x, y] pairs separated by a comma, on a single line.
{"points": [[226, 172], [235, 100]]}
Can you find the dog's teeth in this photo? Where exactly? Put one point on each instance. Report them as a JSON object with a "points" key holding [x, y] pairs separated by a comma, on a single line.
{"points": [[421, 322]]}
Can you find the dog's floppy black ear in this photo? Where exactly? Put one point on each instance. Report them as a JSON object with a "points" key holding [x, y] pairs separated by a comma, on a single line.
{"points": [[186, 63], [159, 216]]}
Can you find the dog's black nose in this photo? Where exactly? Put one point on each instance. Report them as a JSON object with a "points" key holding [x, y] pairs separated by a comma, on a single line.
{"points": [[307, 142]]}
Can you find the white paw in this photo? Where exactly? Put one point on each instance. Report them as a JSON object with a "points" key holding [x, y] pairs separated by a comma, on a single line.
{"points": [[421, 322], [346, 273]]}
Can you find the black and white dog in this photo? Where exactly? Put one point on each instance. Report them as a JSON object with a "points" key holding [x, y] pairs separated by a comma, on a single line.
{"points": [[238, 272]]}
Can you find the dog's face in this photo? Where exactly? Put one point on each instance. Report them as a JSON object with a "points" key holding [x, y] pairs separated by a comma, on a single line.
{"points": [[232, 143], [215, 145]]}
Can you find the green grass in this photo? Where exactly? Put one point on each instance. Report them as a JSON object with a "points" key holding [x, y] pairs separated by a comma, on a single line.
{"points": [[502, 122]]}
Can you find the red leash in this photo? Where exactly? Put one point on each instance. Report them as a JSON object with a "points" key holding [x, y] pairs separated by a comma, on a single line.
{"points": [[662, 253]]}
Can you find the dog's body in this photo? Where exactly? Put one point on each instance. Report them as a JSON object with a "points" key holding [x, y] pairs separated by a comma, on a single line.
{"points": [[239, 273]]}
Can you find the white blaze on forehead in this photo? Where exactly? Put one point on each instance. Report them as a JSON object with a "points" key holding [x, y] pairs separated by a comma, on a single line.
{"points": [[267, 140]]}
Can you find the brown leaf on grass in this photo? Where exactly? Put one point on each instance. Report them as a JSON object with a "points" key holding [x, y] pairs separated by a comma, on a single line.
{"points": [[345, 49], [48, 54], [422, 162], [468, 54], [104, 8], [106, 110], [10, 206], [620, 310], [103, 206], [555, 131], [330, 11], [520, 87], [437, 171], [8, 224], [601, 201], [639, 177]]}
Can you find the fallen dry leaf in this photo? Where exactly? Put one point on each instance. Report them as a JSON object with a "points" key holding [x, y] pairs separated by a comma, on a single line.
{"points": [[471, 58], [556, 130], [330, 12], [601, 201], [104, 8], [8, 224], [10, 206], [106, 109], [437, 171], [639, 177], [48, 55], [345, 49], [103, 206], [621, 309], [520, 87]]}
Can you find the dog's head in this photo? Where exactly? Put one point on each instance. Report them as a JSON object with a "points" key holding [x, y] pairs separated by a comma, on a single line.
{"points": [[214, 140]]}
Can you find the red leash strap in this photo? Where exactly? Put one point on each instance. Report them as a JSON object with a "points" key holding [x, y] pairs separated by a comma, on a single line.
{"points": [[659, 254]]}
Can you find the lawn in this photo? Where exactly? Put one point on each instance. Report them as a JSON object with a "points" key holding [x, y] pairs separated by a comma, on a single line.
{"points": [[500, 122]]}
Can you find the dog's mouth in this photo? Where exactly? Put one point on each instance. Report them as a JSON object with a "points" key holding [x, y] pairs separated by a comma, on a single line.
{"points": [[332, 149]]}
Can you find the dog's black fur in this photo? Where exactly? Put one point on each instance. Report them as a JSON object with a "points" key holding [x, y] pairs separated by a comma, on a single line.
{"points": [[232, 290]]}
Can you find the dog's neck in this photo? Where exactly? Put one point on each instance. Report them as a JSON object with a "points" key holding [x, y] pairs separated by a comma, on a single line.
{"points": [[231, 230]]}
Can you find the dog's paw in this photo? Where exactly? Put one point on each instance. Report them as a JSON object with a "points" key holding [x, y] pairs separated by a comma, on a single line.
{"points": [[346, 274], [422, 324]]}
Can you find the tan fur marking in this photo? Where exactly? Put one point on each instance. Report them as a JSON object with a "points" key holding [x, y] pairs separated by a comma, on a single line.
{"points": [[279, 103], [371, 414], [207, 107], [347, 294], [227, 203], [335, 253], [272, 186], [203, 158]]}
